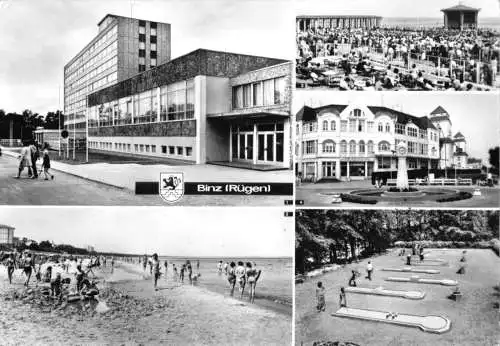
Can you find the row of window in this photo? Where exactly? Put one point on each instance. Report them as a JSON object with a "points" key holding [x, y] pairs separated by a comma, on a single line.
{"points": [[360, 125], [263, 93], [176, 103], [329, 146], [75, 69], [385, 163], [109, 61], [82, 103], [142, 148]]}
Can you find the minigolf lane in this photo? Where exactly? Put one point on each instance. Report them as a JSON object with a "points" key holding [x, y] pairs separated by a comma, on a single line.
{"points": [[380, 291], [429, 324], [417, 280], [411, 270]]}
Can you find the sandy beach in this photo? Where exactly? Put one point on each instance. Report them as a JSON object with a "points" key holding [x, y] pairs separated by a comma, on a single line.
{"points": [[137, 314]]}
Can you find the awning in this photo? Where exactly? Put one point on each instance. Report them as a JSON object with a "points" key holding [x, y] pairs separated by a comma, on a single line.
{"points": [[256, 115]]}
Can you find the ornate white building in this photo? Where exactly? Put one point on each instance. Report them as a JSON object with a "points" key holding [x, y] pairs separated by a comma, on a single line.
{"points": [[353, 141]]}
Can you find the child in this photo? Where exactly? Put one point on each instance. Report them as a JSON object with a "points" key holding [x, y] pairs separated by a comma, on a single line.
{"points": [[342, 298], [320, 297], [46, 164], [352, 280]]}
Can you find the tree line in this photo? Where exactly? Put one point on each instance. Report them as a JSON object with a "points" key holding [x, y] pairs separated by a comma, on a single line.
{"points": [[340, 236], [25, 123]]}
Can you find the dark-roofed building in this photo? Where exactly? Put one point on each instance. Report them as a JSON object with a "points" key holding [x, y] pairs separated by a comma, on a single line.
{"points": [[6, 234], [460, 17], [349, 142], [205, 106]]}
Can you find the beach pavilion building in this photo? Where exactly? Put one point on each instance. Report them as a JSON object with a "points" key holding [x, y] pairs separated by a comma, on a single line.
{"points": [[304, 23], [350, 142], [203, 107], [460, 17]]}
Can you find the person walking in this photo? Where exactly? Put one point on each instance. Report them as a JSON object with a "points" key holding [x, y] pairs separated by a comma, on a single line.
{"points": [[46, 163], [342, 298], [24, 161], [369, 270], [35, 155]]}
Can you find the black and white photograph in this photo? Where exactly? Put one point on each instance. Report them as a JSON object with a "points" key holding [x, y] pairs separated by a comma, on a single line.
{"points": [[145, 276], [398, 45], [100, 96], [397, 277], [389, 149]]}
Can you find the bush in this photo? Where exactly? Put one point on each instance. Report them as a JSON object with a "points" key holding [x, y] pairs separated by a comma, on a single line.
{"points": [[356, 199], [458, 197]]}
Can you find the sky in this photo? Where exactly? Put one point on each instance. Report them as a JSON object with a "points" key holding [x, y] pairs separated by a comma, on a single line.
{"points": [[393, 8], [476, 115], [184, 232], [38, 37]]}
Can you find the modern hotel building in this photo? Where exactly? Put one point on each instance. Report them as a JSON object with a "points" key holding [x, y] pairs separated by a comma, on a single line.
{"points": [[6, 234], [353, 141], [203, 107], [122, 48]]}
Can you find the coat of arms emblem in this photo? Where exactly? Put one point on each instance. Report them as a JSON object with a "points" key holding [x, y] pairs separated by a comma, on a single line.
{"points": [[171, 186]]}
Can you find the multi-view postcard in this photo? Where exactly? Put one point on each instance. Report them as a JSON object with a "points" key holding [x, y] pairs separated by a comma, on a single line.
{"points": [[141, 103]]}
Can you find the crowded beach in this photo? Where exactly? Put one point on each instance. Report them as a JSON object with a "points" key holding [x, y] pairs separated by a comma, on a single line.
{"points": [[397, 58]]}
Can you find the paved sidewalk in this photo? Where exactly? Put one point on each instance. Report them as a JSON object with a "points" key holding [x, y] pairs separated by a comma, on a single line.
{"points": [[125, 176]]}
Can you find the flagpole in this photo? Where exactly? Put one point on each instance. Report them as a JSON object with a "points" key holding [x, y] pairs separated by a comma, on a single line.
{"points": [[59, 122]]}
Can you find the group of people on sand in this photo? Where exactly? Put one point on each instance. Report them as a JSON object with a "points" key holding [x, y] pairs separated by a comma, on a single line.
{"points": [[30, 154], [241, 274], [455, 53], [43, 267]]}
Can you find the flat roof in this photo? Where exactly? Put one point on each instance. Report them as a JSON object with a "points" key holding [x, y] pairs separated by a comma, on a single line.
{"points": [[314, 16], [117, 16], [5, 226]]}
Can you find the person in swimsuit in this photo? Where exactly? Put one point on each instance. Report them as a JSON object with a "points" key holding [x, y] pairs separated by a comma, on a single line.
{"points": [[145, 262], [11, 265], [166, 267], [226, 266], [219, 268], [342, 298], [28, 268], [155, 265], [252, 275], [190, 273], [231, 277], [240, 272], [176, 275], [112, 265], [183, 269]]}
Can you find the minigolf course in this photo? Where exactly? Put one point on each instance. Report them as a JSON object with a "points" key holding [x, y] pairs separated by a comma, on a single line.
{"points": [[380, 291], [429, 324], [418, 280], [411, 270]]}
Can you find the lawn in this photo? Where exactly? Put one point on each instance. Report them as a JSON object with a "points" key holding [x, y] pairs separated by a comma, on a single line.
{"points": [[474, 320]]}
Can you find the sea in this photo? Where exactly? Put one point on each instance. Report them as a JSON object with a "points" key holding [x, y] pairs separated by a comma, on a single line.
{"points": [[416, 22], [274, 288]]}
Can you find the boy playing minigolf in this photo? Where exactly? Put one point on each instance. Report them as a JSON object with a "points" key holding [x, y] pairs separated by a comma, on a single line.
{"points": [[320, 297]]}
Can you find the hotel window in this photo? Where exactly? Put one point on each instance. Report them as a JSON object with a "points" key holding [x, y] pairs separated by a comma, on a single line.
{"points": [[142, 68], [333, 126], [309, 127], [325, 125], [93, 117], [412, 132], [142, 37], [361, 125], [153, 31], [361, 147], [105, 114], [352, 147], [412, 163], [384, 162], [163, 149], [142, 46], [400, 129], [136, 147], [142, 55], [180, 150], [128, 147], [176, 101], [370, 126], [370, 147], [343, 126], [125, 112], [268, 86], [422, 133], [357, 113], [384, 146], [171, 150], [343, 147], [153, 62], [141, 147], [189, 151], [153, 46], [247, 95], [412, 147], [145, 112], [310, 147], [152, 54], [387, 127], [380, 127], [279, 91], [352, 125], [328, 147], [147, 148], [257, 94]]}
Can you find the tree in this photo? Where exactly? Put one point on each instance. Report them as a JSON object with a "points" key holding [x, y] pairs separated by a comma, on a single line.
{"points": [[494, 157]]}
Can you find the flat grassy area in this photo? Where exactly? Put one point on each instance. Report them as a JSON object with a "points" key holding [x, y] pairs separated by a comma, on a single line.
{"points": [[474, 319]]}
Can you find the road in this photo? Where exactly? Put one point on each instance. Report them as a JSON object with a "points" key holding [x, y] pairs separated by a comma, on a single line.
{"points": [[67, 189]]}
